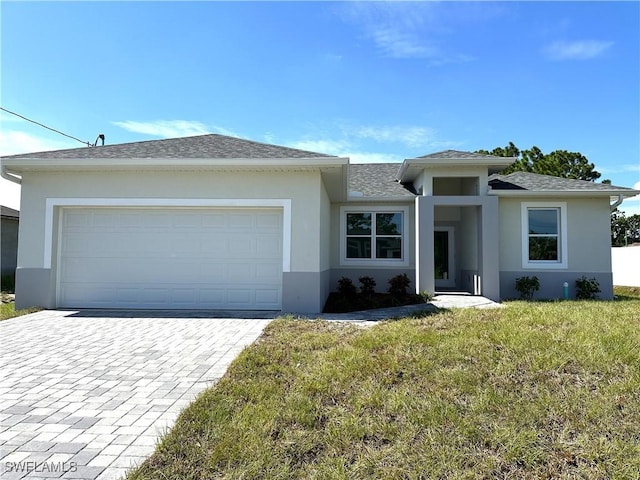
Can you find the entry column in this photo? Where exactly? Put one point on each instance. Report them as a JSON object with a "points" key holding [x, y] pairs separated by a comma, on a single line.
{"points": [[425, 278]]}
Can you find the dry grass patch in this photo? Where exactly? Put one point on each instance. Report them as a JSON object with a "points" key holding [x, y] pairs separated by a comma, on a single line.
{"points": [[542, 390]]}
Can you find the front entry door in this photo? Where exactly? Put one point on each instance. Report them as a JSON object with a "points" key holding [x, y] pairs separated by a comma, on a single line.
{"points": [[443, 246]]}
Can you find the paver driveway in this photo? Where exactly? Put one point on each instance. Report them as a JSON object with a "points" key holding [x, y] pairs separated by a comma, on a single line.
{"points": [[87, 394]]}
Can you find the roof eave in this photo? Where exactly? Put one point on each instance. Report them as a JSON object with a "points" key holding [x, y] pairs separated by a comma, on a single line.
{"points": [[381, 199], [417, 164], [31, 164], [563, 193]]}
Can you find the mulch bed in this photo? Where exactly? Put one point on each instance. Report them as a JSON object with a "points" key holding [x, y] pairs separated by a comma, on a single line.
{"points": [[337, 303]]}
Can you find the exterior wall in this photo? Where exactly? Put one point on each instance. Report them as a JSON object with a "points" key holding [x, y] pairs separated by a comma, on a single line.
{"points": [[426, 180], [378, 270], [469, 264], [380, 275], [9, 245], [34, 284], [325, 248], [588, 247]]}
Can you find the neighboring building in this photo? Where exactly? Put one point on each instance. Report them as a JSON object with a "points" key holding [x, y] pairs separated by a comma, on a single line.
{"points": [[216, 222], [9, 219]]}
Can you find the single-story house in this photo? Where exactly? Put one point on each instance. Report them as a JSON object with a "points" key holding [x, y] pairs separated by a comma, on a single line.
{"points": [[216, 222], [9, 219]]}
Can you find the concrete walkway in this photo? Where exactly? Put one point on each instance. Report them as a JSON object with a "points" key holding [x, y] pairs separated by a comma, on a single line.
{"points": [[86, 395], [441, 301]]}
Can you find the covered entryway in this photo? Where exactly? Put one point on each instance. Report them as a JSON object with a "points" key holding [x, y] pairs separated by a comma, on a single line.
{"points": [[166, 257], [476, 266]]}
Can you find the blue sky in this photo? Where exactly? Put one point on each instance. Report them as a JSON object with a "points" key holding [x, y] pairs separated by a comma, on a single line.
{"points": [[375, 81]]}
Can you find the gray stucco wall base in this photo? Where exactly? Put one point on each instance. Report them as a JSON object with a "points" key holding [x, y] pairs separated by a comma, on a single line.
{"points": [[33, 288], [551, 284], [304, 292]]}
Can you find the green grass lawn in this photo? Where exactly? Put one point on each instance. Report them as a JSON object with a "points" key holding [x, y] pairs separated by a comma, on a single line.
{"points": [[534, 390], [8, 310]]}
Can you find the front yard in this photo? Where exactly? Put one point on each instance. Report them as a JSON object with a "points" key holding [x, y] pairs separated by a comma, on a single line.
{"points": [[534, 390]]}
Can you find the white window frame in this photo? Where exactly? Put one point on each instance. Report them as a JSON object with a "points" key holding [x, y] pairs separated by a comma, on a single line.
{"points": [[396, 262], [562, 262]]}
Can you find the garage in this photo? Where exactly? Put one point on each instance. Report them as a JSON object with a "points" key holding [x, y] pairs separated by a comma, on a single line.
{"points": [[173, 258]]}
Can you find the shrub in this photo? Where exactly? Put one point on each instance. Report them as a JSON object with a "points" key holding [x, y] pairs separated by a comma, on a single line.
{"points": [[526, 286], [346, 288], [367, 286], [398, 285], [587, 288], [425, 296]]}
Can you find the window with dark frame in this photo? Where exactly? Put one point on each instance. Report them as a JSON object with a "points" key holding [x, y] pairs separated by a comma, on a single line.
{"points": [[374, 235]]}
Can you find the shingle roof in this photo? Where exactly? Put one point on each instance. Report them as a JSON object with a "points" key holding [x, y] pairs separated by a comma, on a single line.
{"points": [[202, 146], [459, 155], [546, 183], [9, 212], [377, 180]]}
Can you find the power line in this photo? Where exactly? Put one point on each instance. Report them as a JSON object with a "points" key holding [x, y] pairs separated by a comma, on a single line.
{"points": [[48, 128]]}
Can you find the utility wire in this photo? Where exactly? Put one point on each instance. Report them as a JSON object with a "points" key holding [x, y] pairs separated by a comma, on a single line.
{"points": [[48, 128]]}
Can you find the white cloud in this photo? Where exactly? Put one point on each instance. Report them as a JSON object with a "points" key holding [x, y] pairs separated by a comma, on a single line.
{"points": [[330, 147], [371, 157], [343, 148], [13, 142], [628, 167], [360, 142], [416, 29], [577, 50], [397, 44], [631, 206], [411, 136], [172, 128]]}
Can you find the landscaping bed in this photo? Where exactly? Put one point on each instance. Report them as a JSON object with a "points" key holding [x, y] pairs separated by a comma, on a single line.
{"points": [[337, 303]]}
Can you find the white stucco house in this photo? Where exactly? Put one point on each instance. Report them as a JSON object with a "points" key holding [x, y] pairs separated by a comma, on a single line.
{"points": [[215, 222]]}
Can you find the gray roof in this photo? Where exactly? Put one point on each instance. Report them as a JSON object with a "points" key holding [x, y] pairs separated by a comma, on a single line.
{"points": [[459, 155], [9, 212], [546, 183], [377, 180], [201, 146]]}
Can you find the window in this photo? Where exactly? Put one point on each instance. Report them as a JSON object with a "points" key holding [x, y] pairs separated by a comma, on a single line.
{"points": [[544, 235], [373, 235]]}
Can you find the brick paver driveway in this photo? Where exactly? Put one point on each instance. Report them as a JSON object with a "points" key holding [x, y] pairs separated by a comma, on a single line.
{"points": [[87, 394]]}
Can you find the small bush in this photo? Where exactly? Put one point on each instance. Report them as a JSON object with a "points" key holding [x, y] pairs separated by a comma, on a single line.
{"points": [[425, 296], [367, 286], [346, 288], [398, 285], [527, 286], [587, 288]]}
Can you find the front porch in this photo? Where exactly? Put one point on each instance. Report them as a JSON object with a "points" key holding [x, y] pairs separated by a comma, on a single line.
{"points": [[457, 245]]}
